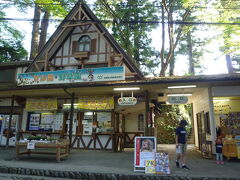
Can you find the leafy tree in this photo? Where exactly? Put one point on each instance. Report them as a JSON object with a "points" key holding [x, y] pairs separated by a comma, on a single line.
{"points": [[49, 8], [172, 33], [128, 27], [227, 14], [168, 118], [11, 48]]}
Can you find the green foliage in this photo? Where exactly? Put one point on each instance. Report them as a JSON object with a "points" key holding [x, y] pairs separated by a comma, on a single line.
{"points": [[58, 8], [11, 48], [168, 119], [128, 28]]}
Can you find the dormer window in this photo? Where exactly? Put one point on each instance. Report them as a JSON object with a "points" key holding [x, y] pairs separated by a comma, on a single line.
{"points": [[84, 43]]}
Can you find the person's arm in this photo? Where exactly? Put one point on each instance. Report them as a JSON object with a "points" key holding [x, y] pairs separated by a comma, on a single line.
{"points": [[176, 140]]}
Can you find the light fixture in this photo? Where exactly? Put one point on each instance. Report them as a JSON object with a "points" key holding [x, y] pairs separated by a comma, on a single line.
{"points": [[189, 94], [88, 113], [126, 89], [179, 87], [221, 99], [70, 104]]}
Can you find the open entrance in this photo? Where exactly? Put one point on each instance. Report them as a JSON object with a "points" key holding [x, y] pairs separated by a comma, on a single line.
{"points": [[167, 118]]}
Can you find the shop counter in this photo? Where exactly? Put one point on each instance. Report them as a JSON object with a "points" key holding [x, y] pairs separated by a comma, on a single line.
{"points": [[230, 149], [58, 146]]}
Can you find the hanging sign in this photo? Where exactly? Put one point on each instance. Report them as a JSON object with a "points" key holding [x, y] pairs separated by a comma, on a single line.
{"points": [[96, 103], [127, 101], [177, 99], [34, 104], [72, 76]]}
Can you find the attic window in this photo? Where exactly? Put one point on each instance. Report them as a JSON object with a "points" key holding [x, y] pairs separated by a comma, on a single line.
{"points": [[84, 43]]}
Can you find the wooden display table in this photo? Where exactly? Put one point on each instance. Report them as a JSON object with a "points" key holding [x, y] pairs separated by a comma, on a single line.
{"points": [[230, 149], [62, 144]]}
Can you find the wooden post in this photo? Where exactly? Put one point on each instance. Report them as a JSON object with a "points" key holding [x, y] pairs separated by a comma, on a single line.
{"points": [[71, 119], [19, 123], [146, 132], [10, 121]]}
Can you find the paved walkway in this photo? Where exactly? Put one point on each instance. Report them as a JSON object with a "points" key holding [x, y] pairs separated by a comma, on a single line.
{"points": [[121, 163]]}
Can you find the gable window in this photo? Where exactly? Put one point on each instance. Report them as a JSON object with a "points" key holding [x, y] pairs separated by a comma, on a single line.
{"points": [[84, 43]]}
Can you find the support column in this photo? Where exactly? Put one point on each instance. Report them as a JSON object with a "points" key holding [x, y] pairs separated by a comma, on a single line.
{"points": [[10, 121], [71, 119], [211, 116], [146, 129]]}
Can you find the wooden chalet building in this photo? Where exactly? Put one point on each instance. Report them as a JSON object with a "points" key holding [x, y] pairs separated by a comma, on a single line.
{"points": [[84, 87]]}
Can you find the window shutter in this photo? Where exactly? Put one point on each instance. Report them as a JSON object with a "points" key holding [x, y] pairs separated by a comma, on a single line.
{"points": [[93, 45], [74, 46]]}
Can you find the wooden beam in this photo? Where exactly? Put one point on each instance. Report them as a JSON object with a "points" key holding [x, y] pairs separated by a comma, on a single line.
{"points": [[36, 66], [78, 24]]}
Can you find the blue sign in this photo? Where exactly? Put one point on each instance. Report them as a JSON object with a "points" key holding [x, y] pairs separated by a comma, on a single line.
{"points": [[72, 76]]}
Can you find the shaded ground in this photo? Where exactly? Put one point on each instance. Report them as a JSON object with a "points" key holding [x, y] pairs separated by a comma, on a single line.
{"points": [[120, 163]]}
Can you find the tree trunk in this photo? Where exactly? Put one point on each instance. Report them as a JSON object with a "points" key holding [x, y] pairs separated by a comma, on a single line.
{"points": [[191, 69], [35, 32], [229, 64], [44, 27], [171, 66]]}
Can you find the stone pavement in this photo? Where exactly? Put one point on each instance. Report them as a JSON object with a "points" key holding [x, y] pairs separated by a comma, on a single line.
{"points": [[80, 164]]}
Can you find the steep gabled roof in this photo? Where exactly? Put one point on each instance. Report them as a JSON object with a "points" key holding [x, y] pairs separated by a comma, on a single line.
{"points": [[63, 31]]}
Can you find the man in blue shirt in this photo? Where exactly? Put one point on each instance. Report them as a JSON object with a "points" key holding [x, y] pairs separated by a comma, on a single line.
{"points": [[181, 146]]}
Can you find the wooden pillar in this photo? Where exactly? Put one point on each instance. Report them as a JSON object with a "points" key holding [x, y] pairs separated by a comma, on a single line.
{"points": [[71, 119], [19, 123], [146, 129], [10, 121]]}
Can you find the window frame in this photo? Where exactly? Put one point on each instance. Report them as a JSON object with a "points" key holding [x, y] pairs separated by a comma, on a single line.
{"points": [[86, 43]]}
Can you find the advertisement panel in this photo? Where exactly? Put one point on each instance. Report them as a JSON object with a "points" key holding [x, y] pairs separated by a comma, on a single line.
{"points": [[144, 149], [39, 104], [72, 76], [96, 102]]}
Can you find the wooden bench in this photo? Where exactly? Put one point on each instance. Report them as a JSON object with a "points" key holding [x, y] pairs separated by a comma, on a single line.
{"points": [[63, 144]]}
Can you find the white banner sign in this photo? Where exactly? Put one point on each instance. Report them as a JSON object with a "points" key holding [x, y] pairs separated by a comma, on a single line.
{"points": [[177, 99], [127, 101]]}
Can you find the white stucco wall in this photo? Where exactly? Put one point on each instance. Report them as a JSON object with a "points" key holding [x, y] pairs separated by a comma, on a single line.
{"points": [[200, 103], [131, 121]]}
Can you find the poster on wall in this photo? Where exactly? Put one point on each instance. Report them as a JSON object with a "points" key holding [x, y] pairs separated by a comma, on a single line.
{"points": [[150, 167], [34, 120], [58, 122], [47, 120], [144, 149], [162, 163]]}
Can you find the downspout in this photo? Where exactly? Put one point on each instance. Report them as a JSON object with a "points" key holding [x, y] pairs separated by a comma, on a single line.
{"points": [[71, 116], [10, 121]]}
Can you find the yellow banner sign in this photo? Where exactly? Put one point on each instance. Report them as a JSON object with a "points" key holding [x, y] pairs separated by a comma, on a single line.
{"points": [[96, 103], [34, 104]]}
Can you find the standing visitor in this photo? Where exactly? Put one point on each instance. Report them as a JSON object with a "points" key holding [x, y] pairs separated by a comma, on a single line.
{"points": [[181, 146], [219, 147]]}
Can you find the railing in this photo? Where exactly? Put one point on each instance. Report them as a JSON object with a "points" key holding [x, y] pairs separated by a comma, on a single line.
{"points": [[97, 141], [129, 138]]}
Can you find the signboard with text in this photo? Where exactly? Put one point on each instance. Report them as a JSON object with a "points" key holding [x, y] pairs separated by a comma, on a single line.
{"points": [[177, 99], [127, 101], [72, 76]]}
